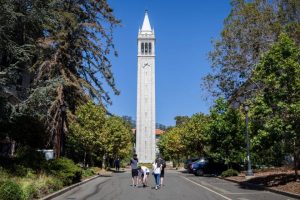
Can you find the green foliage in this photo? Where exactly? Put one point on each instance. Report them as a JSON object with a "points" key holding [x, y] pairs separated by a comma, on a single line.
{"points": [[99, 135], [87, 128], [226, 133], [30, 158], [170, 145], [28, 188], [88, 172], [66, 170], [52, 52], [194, 136], [85, 138], [10, 190], [230, 172], [181, 120], [249, 31], [52, 184], [118, 137], [278, 102]]}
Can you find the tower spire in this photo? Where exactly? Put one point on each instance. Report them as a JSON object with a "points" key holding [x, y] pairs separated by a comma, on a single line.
{"points": [[146, 24]]}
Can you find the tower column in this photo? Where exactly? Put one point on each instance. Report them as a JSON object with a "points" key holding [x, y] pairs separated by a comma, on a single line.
{"points": [[145, 123]]}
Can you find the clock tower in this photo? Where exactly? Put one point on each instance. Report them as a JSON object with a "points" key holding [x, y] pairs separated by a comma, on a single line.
{"points": [[145, 123]]}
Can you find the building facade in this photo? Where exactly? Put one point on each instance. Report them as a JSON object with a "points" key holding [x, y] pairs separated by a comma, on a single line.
{"points": [[145, 123]]}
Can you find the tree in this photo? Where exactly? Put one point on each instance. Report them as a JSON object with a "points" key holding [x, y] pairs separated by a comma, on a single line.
{"points": [[118, 136], [226, 133], [249, 31], [87, 131], [181, 120], [60, 50], [170, 145], [74, 54], [194, 135], [279, 74]]}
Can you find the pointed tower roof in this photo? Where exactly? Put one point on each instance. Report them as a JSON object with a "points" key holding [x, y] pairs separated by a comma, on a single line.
{"points": [[146, 24]]}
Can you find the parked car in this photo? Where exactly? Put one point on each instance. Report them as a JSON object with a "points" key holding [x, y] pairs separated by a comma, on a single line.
{"points": [[188, 163], [208, 166]]}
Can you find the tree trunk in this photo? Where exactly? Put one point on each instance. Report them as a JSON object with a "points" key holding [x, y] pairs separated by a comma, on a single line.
{"points": [[296, 156], [296, 164], [84, 159], [103, 162]]}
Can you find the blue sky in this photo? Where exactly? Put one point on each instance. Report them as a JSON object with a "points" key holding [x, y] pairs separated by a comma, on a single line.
{"points": [[184, 30]]}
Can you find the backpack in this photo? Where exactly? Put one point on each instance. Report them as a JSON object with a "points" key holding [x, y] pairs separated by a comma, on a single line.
{"points": [[163, 163]]}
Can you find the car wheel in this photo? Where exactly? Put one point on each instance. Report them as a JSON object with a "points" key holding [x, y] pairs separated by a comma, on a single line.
{"points": [[199, 172]]}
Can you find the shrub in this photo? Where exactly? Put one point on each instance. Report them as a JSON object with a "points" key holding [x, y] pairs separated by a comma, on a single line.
{"points": [[88, 172], [54, 184], [66, 170], [30, 158], [3, 174], [20, 170], [230, 172], [10, 190], [29, 190]]}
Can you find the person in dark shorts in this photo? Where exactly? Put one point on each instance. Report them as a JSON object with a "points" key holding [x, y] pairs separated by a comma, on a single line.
{"points": [[117, 164], [134, 170], [162, 173]]}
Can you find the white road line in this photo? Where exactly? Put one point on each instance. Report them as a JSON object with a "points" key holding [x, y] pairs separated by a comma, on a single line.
{"points": [[246, 193], [206, 188]]}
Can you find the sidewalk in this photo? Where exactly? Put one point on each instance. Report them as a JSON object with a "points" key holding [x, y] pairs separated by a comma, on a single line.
{"points": [[257, 184]]}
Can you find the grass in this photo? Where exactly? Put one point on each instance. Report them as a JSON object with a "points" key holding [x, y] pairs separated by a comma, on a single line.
{"points": [[149, 165], [35, 185]]}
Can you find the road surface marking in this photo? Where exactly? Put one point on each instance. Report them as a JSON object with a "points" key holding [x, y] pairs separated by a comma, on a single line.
{"points": [[214, 187], [245, 192], [206, 188]]}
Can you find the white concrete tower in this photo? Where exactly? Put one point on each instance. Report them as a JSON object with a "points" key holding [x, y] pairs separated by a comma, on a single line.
{"points": [[145, 123]]}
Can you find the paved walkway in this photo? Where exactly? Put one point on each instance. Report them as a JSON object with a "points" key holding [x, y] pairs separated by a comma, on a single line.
{"points": [[179, 186]]}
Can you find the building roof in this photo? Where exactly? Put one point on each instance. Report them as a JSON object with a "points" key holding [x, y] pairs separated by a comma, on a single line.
{"points": [[157, 131]]}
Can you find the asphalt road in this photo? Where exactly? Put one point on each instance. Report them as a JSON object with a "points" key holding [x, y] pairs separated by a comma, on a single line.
{"points": [[178, 186]]}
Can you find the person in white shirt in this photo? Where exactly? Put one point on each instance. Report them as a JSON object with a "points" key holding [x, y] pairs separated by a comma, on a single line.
{"points": [[143, 175], [156, 166]]}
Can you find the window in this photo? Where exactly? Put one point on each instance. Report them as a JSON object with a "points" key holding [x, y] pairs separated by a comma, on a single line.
{"points": [[146, 48], [150, 46], [142, 48]]}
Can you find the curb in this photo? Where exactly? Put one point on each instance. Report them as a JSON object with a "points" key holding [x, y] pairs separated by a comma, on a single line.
{"points": [[59, 192], [289, 194]]}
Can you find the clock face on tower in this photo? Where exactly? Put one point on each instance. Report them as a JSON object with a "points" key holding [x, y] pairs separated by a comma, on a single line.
{"points": [[146, 65]]}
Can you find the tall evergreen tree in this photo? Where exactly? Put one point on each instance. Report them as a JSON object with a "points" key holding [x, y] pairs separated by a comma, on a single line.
{"points": [[63, 46]]}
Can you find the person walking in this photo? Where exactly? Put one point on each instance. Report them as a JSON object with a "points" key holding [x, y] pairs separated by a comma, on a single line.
{"points": [[134, 170], [117, 164], [156, 166], [162, 174]]}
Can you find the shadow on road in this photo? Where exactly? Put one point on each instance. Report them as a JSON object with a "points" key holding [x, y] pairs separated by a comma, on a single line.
{"points": [[115, 171]]}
